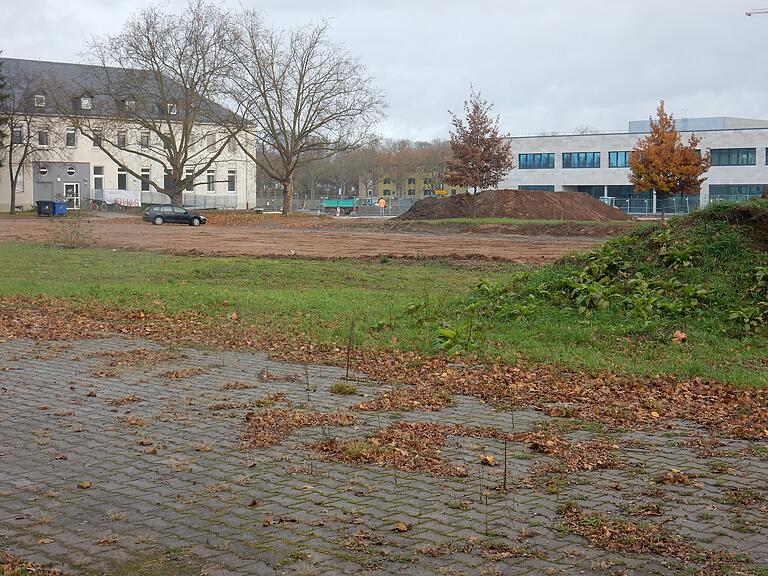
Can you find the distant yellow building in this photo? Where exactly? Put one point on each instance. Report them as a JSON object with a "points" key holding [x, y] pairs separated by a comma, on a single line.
{"points": [[414, 184]]}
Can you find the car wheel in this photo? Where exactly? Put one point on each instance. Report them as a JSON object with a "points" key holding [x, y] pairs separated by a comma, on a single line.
{"points": [[157, 221], [194, 222]]}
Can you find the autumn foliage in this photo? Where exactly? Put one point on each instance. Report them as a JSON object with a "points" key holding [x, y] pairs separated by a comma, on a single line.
{"points": [[663, 162], [481, 155]]}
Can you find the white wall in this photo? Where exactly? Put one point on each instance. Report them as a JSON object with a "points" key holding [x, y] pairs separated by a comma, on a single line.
{"points": [[605, 143]]}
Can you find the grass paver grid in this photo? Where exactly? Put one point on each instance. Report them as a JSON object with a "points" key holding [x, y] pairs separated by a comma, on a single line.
{"points": [[246, 511]]}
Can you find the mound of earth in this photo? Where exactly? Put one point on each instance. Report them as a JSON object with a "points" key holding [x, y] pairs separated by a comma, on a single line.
{"points": [[520, 204]]}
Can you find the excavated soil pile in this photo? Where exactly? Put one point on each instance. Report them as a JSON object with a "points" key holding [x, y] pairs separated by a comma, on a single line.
{"points": [[521, 204]]}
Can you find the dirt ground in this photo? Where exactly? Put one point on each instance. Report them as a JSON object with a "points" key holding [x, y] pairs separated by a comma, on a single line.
{"points": [[308, 238], [523, 204]]}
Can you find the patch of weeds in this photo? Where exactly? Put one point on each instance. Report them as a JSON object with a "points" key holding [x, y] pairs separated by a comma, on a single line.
{"points": [[739, 524], [742, 497], [706, 516], [343, 388]]}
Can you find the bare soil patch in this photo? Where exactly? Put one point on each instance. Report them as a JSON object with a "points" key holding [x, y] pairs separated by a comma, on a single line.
{"points": [[307, 238]]}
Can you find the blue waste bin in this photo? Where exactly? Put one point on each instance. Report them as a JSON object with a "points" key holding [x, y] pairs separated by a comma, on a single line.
{"points": [[59, 208]]}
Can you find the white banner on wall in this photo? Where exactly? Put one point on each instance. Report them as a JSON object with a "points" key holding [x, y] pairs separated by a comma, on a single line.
{"points": [[128, 198]]}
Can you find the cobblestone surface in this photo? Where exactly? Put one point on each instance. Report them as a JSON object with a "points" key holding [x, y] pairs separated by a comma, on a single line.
{"points": [[90, 479]]}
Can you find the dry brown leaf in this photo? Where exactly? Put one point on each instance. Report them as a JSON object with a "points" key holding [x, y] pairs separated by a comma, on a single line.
{"points": [[401, 526]]}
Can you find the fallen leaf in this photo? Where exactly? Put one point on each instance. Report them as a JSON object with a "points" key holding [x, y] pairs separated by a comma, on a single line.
{"points": [[44, 540], [678, 337], [488, 460], [655, 414], [401, 526], [84, 485]]}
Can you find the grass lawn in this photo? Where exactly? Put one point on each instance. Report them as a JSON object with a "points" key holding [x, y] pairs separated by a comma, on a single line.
{"points": [[394, 304]]}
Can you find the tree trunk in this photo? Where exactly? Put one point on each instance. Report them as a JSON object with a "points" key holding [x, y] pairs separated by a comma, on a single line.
{"points": [[474, 203], [175, 191], [661, 197], [12, 209], [288, 195]]}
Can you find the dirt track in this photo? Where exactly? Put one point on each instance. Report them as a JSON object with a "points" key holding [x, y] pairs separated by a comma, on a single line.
{"points": [[327, 242]]}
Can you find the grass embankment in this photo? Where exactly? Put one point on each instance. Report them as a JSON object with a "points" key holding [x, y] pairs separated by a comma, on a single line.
{"points": [[616, 309]]}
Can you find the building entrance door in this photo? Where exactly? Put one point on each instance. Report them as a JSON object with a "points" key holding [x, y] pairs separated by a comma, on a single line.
{"points": [[72, 195]]}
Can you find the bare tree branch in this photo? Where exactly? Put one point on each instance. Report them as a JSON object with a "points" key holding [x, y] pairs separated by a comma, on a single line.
{"points": [[301, 98]]}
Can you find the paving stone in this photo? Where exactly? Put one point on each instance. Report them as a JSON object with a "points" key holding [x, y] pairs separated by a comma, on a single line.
{"points": [[315, 508]]}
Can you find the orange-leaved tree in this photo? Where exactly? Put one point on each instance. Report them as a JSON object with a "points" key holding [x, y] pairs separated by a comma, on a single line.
{"points": [[662, 162], [481, 155]]}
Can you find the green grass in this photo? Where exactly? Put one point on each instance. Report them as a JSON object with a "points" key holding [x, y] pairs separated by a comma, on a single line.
{"points": [[403, 304], [316, 297]]}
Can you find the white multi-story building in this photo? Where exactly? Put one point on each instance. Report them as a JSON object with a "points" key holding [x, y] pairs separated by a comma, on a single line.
{"points": [[69, 166], [598, 164]]}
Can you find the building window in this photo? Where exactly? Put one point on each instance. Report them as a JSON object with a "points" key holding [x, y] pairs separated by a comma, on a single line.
{"points": [[71, 138], [122, 139], [231, 180], [98, 177], [71, 170], [146, 174], [43, 170], [539, 187], [86, 103], [190, 187], [144, 139], [122, 179], [735, 192], [387, 181], [211, 180], [42, 138], [387, 192], [129, 105], [39, 101], [173, 108], [96, 139], [734, 156], [211, 138], [581, 159], [412, 192], [16, 135], [618, 159], [536, 161], [427, 181]]}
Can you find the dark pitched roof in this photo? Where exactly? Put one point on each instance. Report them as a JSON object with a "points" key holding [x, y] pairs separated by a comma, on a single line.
{"points": [[25, 78]]}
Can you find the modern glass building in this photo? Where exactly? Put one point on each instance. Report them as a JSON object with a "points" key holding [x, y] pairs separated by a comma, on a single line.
{"points": [[598, 164]]}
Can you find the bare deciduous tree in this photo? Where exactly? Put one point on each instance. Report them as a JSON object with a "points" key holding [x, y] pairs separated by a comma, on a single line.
{"points": [[152, 93], [301, 98], [35, 134], [3, 119]]}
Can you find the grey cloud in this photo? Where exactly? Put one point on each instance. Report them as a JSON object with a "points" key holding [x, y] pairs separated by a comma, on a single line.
{"points": [[547, 65]]}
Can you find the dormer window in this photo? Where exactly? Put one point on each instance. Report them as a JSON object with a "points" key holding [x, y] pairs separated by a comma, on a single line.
{"points": [[39, 101], [86, 103], [173, 108], [130, 105]]}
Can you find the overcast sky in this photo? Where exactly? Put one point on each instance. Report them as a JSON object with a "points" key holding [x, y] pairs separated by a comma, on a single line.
{"points": [[548, 65]]}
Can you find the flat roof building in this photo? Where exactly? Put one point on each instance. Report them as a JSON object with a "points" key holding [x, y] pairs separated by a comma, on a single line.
{"points": [[598, 163]]}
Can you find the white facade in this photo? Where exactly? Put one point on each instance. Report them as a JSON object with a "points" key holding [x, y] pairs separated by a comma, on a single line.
{"points": [[723, 182], [86, 169]]}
